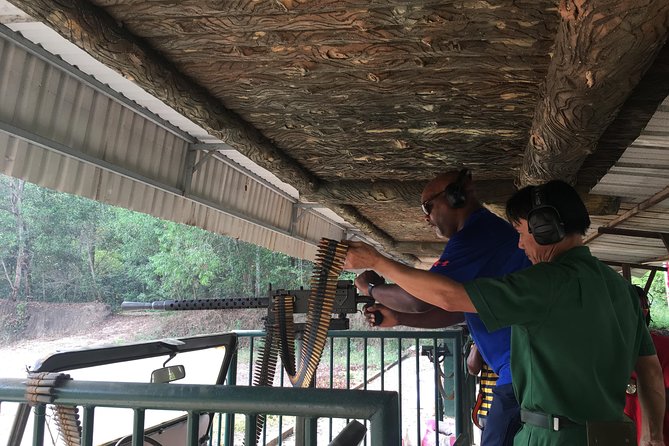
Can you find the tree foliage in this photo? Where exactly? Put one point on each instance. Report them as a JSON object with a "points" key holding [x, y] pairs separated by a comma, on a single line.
{"points": [[64, 248]]}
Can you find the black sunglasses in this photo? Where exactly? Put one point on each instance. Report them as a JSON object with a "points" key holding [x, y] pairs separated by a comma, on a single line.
{"points": [[426, 205]]}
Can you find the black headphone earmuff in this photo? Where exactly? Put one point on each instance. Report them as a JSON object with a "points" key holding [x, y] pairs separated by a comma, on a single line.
{"points": [[455, 192], [544, 221]]}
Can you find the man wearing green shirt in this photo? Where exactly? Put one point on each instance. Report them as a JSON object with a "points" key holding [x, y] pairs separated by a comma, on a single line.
{"points": [[577, 330]]}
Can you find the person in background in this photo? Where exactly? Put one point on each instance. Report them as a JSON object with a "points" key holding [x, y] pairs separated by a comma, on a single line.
{"points": [[480, 244], [661, 342], [573, 342]]}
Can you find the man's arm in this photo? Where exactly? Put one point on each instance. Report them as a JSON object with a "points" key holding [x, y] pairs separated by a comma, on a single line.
{"points": [[433, 318], [650, 388], [394, 297], [474, 361], [432, 288], [390, 295]]}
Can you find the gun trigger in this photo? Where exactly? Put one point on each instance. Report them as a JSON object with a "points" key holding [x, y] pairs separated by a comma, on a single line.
{"points": [[378, 316]]}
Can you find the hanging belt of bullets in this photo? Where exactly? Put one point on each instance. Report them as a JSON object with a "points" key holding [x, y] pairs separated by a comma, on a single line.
{"points": [[41, 388], [279, 326]]}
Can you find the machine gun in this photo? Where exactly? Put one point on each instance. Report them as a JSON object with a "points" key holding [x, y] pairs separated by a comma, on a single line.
{"points": [[346, 301], [326, 297]]}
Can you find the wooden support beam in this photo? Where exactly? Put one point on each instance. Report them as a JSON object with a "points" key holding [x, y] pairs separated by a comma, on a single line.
{"points": [[349, 213], [632, 232], [386, 193], [602, 49], [389, 192], [421, 249], [650, 202], [649, 282], [665, 240], [637, 266]]}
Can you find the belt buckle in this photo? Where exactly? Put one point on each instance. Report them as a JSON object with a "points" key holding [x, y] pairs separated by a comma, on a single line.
{"points": [[555, 421]]}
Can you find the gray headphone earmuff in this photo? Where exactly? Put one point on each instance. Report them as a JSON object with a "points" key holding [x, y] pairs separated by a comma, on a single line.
{"points": [[455, 192], [544, 221]]}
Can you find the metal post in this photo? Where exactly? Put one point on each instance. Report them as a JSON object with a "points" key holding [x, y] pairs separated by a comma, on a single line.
{"points": [[38, 430], [231, 380], [193, 428], [459, 383], [302, 424], [310, 431], [138, 428], [250, 431], [87, 433], [19, 425], [386, 427]]}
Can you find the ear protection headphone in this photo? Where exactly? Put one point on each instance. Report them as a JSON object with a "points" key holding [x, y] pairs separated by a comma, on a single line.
{"points": [[455, 192], [543, 220]]}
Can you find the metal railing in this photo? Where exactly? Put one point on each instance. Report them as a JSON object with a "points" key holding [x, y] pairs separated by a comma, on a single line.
{"points": [[430, 387], [395, 380], [380, 408]]}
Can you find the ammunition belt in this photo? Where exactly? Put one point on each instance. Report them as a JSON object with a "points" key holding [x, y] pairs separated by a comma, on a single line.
{"points": [[279, 327], [41, 389]]}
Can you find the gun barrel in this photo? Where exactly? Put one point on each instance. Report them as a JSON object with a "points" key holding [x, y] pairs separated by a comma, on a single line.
{"points": [[346, 301], [198, 304]]}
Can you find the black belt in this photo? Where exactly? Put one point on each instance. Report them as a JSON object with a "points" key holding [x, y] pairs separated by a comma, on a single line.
{"points": [[551, 422]]}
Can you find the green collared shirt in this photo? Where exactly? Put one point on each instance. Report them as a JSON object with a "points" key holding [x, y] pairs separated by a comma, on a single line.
{"points": [[577, 330]]}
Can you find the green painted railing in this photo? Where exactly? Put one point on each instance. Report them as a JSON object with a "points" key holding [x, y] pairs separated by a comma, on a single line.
{"points": [[383, 360], [379, 407]]}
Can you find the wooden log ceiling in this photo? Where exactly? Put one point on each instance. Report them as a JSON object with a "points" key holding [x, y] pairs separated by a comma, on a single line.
{"points": [[360, 123]]}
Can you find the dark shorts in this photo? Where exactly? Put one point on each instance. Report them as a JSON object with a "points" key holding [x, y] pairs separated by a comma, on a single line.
{"points": [[503, 421]]}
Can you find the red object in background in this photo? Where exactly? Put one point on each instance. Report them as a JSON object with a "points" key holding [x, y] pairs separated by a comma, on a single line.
{"points": [[632, 407]]}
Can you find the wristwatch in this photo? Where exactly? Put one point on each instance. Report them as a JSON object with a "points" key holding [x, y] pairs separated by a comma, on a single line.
{"points": [[370, 287]]}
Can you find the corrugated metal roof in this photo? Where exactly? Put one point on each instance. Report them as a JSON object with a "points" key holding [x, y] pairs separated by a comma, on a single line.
{"points": [[55, 44], [641, 173], [643, 169], [63, 131]]}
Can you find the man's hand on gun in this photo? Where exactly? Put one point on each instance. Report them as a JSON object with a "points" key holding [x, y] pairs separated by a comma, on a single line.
{"points": [[364, 283], [388, 316], [366, 278], [360, 256]]}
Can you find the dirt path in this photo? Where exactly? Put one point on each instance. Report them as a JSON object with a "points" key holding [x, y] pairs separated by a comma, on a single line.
{"points": [[18, 356]]}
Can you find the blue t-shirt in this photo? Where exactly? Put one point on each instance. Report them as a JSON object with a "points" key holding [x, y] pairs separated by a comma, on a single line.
{"points": [[486, 246]]}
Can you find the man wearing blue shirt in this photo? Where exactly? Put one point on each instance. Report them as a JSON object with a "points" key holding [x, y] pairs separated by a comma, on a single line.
{"points": [[480, 244]]}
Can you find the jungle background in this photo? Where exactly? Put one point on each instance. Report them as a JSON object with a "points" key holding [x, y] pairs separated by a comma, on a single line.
{"points": [[81, 258], [86, 258]]}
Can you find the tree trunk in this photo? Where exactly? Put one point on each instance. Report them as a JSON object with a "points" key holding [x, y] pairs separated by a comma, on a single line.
{"points": [[256, 288], [90, 254], [27, 269], [16, 189]]}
